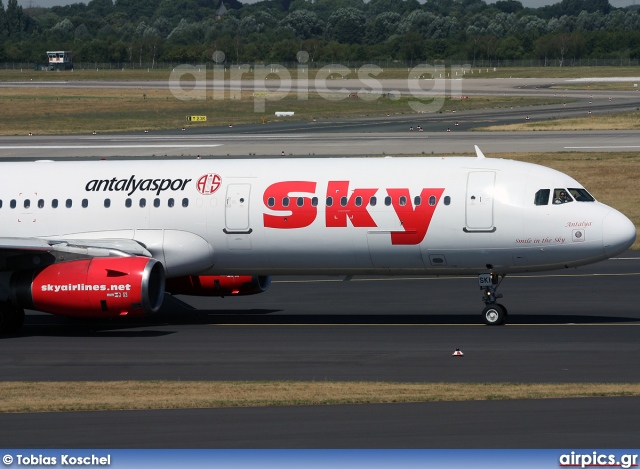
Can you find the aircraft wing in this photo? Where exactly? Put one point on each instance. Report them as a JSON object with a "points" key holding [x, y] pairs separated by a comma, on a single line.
{"points": [[67, 249], [24, 244]]}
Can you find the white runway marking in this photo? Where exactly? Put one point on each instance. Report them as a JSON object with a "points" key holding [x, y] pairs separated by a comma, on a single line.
{"points": [[605, 79], [609, 147], [243, 137], [89, 147], [198, 137]]}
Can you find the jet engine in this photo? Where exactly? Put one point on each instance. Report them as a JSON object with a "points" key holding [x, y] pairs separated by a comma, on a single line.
{"points": [[218, 285], [97, 287]]}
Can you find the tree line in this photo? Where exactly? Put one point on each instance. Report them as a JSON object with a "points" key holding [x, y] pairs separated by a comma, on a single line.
{"points": [[274, 31]]}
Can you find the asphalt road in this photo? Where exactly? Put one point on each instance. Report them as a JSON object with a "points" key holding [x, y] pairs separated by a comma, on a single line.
{"points": [[568, 326], [554, 423], [579, 325], [312, 144]]}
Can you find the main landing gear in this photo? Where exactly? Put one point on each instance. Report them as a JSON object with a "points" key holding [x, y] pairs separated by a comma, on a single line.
{"points": [[11, 318], [493, 314]]}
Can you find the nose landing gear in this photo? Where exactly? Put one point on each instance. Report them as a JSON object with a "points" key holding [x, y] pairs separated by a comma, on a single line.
{"points": [[493, 314]]}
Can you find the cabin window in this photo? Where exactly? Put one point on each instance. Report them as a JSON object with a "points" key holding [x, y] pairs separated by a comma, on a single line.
{"points": [[403, 201], [170, 202], [285, 201], [27, 203], [373, 201], [432, 200], [127, 203], [54, 203], [107, 203], [143, 203], [40, 203], [343, 201], [542, 197], [69, 203], [329, 201], [447, 200], [561, 196], [581, 195], [300, 202], [0, 203], [13, 203], [358, 201], [185, 202], [271, 201], [314, 201], [417, 200], [85, 203], [387, 201], [156, 203]]}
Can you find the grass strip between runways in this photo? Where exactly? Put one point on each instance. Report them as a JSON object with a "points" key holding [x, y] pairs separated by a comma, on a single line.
{"points": [[43, 111], [50, 396], [622, 121]]}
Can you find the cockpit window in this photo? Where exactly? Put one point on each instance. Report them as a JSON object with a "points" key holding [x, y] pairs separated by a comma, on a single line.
{"points": [[581, 195], [542, 197], [561, 196]]}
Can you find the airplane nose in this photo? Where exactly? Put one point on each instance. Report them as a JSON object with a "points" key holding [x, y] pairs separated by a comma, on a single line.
{"points": [[618, 233]]}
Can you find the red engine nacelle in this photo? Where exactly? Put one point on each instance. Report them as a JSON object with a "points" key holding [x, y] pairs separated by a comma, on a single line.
{"points": [[98, 287], [218, 285]]}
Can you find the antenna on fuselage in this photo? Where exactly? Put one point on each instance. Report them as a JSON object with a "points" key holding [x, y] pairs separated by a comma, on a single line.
{"points": [[479, 153]]}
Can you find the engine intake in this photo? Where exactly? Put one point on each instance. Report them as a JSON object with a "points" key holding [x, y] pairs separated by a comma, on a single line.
{"points": [[98, 287]]}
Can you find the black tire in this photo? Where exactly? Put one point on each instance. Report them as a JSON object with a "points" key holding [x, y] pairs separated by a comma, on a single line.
{"points": [[494, 315], [11, 319]]}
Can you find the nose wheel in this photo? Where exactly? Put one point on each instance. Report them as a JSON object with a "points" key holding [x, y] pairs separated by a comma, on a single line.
{"points": [[493, 314]]}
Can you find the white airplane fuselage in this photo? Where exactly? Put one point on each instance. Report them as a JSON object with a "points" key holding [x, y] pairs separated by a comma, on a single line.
{"points": [[317, 216]]}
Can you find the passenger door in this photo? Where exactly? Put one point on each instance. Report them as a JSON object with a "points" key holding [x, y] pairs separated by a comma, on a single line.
{"points": [[479, 203]]}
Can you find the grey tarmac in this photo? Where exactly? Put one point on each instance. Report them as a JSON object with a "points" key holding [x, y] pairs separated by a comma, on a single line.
{"points": [[579, 325]]}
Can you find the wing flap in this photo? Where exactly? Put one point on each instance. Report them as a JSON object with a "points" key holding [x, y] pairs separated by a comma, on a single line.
{"points": [[24, 244]]}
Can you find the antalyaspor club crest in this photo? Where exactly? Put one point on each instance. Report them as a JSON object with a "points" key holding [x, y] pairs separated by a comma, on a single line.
{"points": [[209, 183]]}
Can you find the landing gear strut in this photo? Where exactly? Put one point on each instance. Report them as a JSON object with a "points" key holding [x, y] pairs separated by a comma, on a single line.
{"points": [[493, 314], [11, 318]]}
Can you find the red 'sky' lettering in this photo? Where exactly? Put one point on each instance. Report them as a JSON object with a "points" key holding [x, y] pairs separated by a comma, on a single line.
{"points": [[415, 221], [301, 216], [355, 208]]}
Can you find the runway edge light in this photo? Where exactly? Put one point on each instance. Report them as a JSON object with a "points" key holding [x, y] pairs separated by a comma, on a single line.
{"points": [[458, 353]]}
